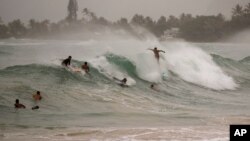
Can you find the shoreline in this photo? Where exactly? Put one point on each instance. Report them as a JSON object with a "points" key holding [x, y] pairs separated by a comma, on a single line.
{"points": [[178, 133]]}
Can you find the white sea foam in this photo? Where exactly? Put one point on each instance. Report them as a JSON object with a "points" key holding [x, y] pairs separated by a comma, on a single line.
{"points": [[148, 68], [196, 66]]}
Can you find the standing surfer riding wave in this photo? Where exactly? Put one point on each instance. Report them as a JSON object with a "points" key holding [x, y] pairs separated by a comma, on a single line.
{"points": [[156, 52]]}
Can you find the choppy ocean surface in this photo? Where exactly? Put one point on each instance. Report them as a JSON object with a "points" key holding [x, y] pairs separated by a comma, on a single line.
{"points": [[201, 90]]}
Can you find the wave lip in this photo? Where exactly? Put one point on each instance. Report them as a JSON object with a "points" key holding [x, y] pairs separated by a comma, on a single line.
{"points": [[110, 70]]}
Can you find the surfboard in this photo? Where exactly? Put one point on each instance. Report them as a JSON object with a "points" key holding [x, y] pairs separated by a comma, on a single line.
{"points": [[123, 85], [118, 82], [77, 70]]}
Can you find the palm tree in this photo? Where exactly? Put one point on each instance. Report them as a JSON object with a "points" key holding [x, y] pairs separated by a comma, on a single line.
{"points": [[72, 10], [17, 28], [1, 21], [88, 15], [247, 9], [138, 20], [237, 11]]}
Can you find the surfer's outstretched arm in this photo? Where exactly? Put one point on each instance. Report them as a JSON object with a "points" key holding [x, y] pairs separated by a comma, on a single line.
{"points": [[150, 49], [161, 51]]}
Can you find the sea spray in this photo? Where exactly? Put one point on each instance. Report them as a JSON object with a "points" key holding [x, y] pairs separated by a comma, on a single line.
{"points": [[196, 66]]}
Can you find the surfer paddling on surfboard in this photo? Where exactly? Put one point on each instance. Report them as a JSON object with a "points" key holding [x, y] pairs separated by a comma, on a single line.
{"points": [[156, 52], [85, 67], [122, 83], [66, 62]]}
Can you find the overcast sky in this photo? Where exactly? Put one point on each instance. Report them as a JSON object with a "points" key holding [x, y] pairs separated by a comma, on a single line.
{"points": [[56, 10]]}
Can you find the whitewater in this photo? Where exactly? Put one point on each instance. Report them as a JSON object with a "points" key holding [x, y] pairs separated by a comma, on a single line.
{"points": [[202, 88]]}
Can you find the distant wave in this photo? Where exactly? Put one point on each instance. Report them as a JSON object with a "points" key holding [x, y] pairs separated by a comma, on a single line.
{"points": [[246, 59]]}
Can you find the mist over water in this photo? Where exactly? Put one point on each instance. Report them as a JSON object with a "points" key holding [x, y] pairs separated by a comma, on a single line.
{"points": [[195, 87], [242, 37]]}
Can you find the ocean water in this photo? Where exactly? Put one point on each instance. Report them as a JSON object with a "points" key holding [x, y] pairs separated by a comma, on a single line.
{"points": [[201, 90]]}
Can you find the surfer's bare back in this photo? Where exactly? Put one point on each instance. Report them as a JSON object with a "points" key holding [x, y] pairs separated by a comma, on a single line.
{"points": [[156, 52]]}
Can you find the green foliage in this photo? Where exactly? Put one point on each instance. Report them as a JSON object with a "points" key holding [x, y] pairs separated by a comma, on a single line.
{"points": [[160, 26], [145, 22], [240, 18], [122, 22], [237, 11], [88, 15], [203, 28], [4, 31], [1, 21], [199, 28], [38, 28], [173, 21], [138, 20], [72, 10], [17, 28]]}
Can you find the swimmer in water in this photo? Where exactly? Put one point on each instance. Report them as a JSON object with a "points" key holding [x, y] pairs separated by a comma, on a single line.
{"points": [[37, 96], [19, 105]]}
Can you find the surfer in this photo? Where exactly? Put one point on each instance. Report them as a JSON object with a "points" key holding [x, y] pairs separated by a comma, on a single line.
{"points": [[66, 62], [35, 107], [19, 105], [37, 96], [123, 82], [152, 86], [156, 52], [85, 67]]}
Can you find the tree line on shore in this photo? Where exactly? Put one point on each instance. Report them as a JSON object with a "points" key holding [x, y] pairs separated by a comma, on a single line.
{"points": [[191, 28]]}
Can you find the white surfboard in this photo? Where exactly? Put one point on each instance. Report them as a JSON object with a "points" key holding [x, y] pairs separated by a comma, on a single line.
{"points": [[78, 70]]}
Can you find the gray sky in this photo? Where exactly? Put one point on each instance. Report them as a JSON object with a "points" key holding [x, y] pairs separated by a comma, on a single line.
{"points": [[55, 10]]}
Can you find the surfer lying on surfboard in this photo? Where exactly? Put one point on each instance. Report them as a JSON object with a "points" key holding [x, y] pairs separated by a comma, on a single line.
{"points": [[122, 82], [153, 87]]}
